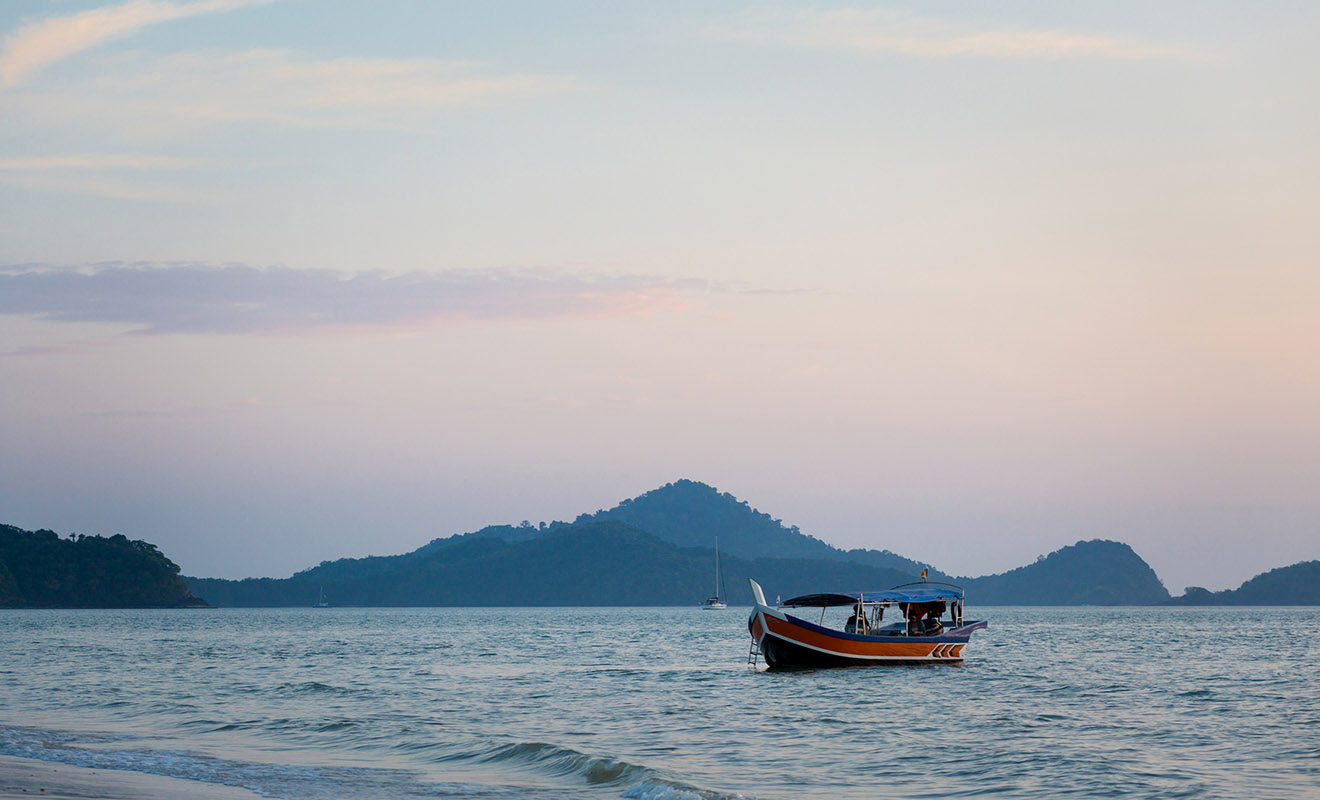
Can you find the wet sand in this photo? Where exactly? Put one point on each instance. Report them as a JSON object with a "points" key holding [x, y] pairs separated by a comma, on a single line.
{"points": [[27, 778]]}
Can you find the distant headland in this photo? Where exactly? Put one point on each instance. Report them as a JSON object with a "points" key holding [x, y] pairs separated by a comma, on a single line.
{"points": [[38, 569], [1296, 585], [655, 549]]}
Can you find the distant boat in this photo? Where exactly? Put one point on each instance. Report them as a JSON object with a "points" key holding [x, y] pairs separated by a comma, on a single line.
{"points": [[321, 603], [714, 603]]}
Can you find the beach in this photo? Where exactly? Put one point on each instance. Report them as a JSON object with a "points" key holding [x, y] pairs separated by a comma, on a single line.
{"points": [[27, 778]]}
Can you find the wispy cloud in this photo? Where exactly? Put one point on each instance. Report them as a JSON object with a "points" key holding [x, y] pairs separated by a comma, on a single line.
{"points": [[103, 161], [907, 34], [187, 411], [110, 175], [40, 44], [147, 94], [113, 187], [227, 299]]}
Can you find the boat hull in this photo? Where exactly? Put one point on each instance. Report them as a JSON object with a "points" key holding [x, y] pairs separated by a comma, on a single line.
{"points": [[787, 642]]}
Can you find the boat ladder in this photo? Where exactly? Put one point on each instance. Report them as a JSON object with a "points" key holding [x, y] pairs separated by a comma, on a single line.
{"points": [[753, 653]]}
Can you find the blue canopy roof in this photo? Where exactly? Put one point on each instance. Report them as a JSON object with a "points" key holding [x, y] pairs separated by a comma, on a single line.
{"points": [[910, 593]]}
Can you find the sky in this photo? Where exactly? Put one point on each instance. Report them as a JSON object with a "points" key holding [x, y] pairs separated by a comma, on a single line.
{"points": [[286, 281]]}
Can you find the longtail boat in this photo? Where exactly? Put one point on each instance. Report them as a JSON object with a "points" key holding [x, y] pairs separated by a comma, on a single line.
{"points": [[918, 635]]}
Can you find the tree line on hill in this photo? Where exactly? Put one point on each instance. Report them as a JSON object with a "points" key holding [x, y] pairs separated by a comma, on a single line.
{"points": [[614, 563], [38, 569], [655, 549], [1295, 585], [579, 564]]}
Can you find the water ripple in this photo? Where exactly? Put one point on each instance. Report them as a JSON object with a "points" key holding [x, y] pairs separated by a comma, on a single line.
{"points": [[657, 704]]}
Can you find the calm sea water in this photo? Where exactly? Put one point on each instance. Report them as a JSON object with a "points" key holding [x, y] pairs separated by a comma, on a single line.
{"points": [[659, 703]]}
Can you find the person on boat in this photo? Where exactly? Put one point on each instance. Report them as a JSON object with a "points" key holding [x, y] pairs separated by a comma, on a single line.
{"points": [[924, 618], [857, 623], [914, 612]]}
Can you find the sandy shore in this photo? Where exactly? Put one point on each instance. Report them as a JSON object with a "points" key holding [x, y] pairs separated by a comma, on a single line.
{"points": [[26, 778]]}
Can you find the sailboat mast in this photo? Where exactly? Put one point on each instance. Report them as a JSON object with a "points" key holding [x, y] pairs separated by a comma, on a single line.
{"points": [[717, 568]]}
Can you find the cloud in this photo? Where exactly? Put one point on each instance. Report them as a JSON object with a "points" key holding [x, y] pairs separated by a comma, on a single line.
{"points": [[109, 175], [105, 161], [103, 175], [906, 34], [112, 188], [40, 44], [229, 299], [148, 94]]}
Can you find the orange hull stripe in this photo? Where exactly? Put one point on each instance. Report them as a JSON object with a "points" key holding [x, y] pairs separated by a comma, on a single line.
{"points": [[757, 630], [848, 647]]}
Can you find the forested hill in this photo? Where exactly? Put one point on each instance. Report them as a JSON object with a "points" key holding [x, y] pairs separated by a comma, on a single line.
{"points": [[348, 568], [1096, 572], [1296, 585], [658, 549], [38, 569], [614, 563], [581, 564], [683, 513], [691, 514]]}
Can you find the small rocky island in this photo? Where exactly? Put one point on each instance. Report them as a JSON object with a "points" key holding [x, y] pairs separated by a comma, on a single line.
{"points": [[1295, 585], [38, 569]]}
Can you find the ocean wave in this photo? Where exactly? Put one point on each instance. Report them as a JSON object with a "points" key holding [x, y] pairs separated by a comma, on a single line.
{"points": [[285, 781], [567, 762], [664, 790], [315, 687], [637, 781], [659, 789]]}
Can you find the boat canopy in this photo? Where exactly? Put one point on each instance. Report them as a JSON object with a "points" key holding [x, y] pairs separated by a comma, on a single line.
{"points": [[914, 593]]}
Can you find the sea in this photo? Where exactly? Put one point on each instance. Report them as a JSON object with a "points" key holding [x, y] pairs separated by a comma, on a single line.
{"points": [[661, 704]]}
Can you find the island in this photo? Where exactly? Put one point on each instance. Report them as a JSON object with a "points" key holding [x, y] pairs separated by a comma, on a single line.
{"points": [[39, 569]]}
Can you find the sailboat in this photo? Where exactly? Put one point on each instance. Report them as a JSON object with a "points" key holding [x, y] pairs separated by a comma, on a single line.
{"points": [[322, 603], [714, 603]]}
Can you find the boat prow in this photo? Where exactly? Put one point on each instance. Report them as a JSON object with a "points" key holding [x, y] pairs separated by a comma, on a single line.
{"points": [[920, 636]]}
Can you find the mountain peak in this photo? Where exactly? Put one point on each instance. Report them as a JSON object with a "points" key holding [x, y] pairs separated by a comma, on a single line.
{"points": [[689, 513], [1095, 571], [681, 490]]}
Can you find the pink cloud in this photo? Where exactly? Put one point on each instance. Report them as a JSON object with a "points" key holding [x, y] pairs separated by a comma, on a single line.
{"points": [[234, 298]]}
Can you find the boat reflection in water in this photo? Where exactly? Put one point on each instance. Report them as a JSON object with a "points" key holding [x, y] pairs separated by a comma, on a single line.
{"points": [[917, 635]]}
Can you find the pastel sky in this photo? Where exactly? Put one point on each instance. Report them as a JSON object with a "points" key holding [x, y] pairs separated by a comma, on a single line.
{"points": [[294, 280]]}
